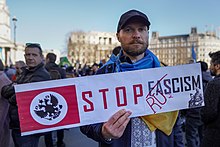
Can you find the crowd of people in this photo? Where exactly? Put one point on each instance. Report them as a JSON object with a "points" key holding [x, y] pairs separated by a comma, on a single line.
{"points": [[200, 128]]}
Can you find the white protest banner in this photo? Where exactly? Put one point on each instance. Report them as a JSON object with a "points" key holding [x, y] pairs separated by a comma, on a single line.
{"points": [[66, 103]]}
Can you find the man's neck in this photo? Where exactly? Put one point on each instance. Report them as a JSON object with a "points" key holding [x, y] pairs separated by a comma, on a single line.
{"points": [[134, 58]]}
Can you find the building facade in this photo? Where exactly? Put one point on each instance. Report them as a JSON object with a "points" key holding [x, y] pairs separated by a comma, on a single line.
{"points": [[177, 49], [90, 47], [9, 50]]}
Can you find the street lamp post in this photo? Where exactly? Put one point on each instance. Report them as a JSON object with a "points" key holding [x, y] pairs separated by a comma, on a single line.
{"points": [[14, 19]]}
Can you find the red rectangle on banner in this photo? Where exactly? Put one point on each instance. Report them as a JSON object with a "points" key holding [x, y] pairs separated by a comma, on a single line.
{"points": [[47, 108]]}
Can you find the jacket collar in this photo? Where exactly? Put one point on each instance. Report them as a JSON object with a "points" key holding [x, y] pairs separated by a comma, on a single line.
{"points": [[32, 69]]}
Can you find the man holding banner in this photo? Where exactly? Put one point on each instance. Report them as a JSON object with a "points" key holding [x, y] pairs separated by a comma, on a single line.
{"points": [[121, 130], [34, 72]]}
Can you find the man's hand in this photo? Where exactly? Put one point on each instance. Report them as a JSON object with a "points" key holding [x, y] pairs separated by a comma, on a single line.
{"points": [[115, 126]]}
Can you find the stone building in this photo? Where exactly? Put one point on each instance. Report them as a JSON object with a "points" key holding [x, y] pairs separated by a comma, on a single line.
{"points": [[9, 50], [177, 49], [90, 47]]}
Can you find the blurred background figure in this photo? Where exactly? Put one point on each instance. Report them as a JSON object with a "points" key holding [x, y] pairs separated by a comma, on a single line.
{"points": [[206, 75], [94, 68], [10, 71], [71, 73], [102, 62], [194, 125], [51, 65], [4, 106], [18, 67], [56, 72], [85, 70]]}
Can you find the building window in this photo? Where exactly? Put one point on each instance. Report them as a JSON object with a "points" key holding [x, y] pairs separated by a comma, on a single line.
{"points": [[105, 40], [110, 40]]}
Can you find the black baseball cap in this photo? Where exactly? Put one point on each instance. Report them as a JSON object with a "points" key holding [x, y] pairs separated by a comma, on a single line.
{"points": [[131, 14]]}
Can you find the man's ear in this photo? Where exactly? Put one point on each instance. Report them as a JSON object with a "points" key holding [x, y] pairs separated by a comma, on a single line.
{"points": [[218, 66], [117, 35]]}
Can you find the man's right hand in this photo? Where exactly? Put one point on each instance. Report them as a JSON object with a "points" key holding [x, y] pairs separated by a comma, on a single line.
{"points": [[115, 126]]}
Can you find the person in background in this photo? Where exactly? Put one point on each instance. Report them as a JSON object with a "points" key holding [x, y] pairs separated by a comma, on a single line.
{"points": [[121, 130], [51, 65], [10, 71], [34, 72], [194, 124], [71, 72], [56, 72], [211, 111], [18, 66], [4, 106], [94, 69], [206, 75]]}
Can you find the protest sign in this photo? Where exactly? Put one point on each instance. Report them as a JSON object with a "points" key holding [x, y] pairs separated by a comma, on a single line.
{"points": [[65, 103]]}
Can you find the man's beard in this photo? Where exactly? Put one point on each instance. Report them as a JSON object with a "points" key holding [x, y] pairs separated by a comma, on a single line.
{"points": [[135, 52]]}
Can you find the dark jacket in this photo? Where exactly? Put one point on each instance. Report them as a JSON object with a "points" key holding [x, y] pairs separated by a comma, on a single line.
{"points": [[211, 112], [195, 113], [36, 74], [53, 66], [206, 77], [94, 131]]}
